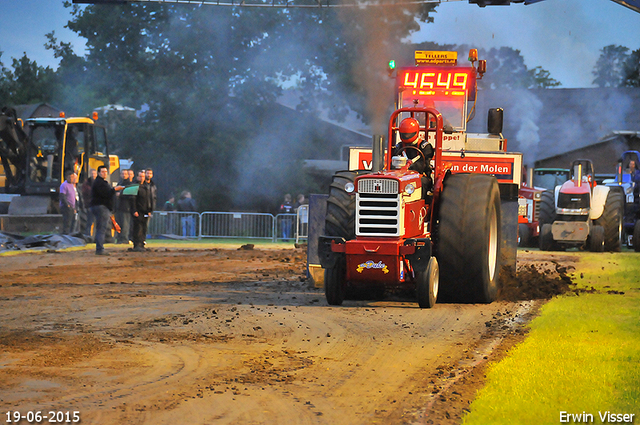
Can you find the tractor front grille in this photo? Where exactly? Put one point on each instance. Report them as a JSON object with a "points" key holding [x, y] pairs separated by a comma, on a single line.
{"points": [[378, 207], [378, 186], [574, 201], [536, 210]]}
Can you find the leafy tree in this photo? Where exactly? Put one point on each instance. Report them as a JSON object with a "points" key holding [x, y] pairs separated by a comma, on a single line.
{"points": [[541, 79], [5, 83], [27, 83], [207, 79], [609, 69], [632, 70], [75, 90], [507, 70], [207, 76], [505, 65]]}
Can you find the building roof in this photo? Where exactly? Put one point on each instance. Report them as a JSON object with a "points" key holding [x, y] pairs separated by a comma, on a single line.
{"points": [[36, 110], [544, 123]]}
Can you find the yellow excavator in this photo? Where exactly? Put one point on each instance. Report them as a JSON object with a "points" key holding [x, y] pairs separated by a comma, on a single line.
{"points": [[36, 153]]}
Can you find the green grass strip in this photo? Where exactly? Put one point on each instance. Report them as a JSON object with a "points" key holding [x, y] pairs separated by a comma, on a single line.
{"points": [[582, 355]]}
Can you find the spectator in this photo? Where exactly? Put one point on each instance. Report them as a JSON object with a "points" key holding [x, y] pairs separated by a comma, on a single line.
{"points": [[141, 213], [286, 208], [170, 204], [152, 188], [153, 194], [102, 195], [68, 202], [635, 179], [86, 200], [187, 204], [172, 224], [302, 215], [124, 207], [300, 200]]}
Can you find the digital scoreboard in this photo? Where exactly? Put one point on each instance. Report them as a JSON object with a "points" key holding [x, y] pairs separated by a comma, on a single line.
{"points": [[437, 81]]}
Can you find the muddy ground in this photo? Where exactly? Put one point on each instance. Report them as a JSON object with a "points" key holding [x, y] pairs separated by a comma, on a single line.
{"points": [[231, 336]]}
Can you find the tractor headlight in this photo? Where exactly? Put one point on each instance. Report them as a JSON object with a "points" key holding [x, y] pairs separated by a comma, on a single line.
{"points": [[409, 189], [349, 187]]}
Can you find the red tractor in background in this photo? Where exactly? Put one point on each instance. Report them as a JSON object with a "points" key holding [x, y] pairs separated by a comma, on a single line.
{"points": [[384, 229], [530, 196], [581, 213]]}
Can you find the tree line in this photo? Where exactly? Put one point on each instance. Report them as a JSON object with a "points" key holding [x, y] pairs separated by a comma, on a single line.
{"points": [[617, 66], [204, 80]]}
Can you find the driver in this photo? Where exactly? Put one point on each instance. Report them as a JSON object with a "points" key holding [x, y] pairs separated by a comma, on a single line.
{"points": [[635, 178], [411, 142]]}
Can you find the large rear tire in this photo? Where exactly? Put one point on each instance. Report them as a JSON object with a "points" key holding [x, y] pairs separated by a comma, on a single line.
{"points": [[547, 208], [611, 220], [340, 221], [340, 218], [468, 238]]}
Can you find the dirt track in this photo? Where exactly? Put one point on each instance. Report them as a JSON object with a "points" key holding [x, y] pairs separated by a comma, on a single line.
{"points": [[231, 336]]}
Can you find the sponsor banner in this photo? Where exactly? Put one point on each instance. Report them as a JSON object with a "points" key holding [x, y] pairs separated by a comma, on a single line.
{"points": [[506, 167], [360, 159], [424, 57]]}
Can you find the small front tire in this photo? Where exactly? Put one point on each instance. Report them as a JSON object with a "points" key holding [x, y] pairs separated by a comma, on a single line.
{"points": [[334, 283], [546, 238], [427, 283], [596, 238], [524, 235], [636, 236]]}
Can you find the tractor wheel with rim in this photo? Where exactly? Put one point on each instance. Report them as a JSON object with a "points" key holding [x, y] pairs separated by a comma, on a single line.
{"points": [[427, 283], [468, 238], [547, 208], [524, 235], [611, 220], [334, 283], [340, 221], [596, 239], [340, 218], [636, 236]]}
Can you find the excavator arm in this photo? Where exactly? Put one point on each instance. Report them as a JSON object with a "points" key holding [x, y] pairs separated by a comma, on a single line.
{"points": [[13, 151]]}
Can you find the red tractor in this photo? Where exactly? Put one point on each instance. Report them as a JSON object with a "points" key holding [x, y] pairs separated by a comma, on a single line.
{"points": [[444, 243], [440, 230], [530, 194]]}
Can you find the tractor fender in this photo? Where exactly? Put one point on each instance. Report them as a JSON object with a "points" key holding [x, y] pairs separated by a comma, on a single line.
{"points": [[598, 199], [556, 193]]}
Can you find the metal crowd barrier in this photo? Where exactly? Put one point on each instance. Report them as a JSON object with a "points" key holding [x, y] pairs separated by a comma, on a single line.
{"points": [[236, 225], [282, 227], [174, 223], [302, 223]]}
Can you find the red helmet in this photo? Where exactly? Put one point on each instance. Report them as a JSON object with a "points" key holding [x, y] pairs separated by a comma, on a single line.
{"points": [[409, 128]]}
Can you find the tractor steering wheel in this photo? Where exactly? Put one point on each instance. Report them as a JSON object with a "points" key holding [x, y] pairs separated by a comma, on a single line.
{"points": [[407, 147]]}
